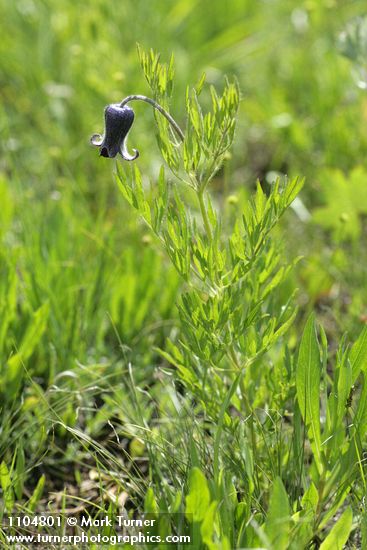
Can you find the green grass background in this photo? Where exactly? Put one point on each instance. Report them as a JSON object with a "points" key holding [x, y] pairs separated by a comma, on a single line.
{"points": [[84, 290]]}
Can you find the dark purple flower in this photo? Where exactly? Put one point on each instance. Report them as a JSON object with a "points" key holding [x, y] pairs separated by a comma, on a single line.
{"points": [[118, 121]]}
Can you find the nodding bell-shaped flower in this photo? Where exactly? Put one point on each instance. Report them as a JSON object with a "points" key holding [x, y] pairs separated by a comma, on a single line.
{"points": [[118, 121]]}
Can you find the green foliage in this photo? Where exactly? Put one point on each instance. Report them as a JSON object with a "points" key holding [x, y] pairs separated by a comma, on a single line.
{"points": [[198, 496], [339, 534], [345, 203], [144, 363], [277, 524], [308, 378], [230, 322], [231, 278], [5, 481], [208, 136]]}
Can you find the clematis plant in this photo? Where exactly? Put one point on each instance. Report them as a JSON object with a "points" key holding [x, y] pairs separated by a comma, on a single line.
{"points": [[227, 348]]}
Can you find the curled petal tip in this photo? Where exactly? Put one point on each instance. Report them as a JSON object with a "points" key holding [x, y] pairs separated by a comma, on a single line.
{"points": [[96, 140], [126, 155]]}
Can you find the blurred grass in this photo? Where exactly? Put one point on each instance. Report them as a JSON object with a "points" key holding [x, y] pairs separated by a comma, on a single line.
{"points": [[70, 245]]}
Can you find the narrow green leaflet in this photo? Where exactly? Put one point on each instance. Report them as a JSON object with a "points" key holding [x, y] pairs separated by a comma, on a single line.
{"points": [[37, 493], [6, 485], [150, 503]]}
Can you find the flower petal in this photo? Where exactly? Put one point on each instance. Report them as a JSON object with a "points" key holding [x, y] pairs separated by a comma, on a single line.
{"points": [[125, 153], [118, 121]]}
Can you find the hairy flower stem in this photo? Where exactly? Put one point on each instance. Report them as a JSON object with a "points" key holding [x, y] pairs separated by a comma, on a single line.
{"points": [[159, 108]]}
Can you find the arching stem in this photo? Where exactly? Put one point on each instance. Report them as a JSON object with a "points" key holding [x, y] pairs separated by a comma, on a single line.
{"points": [[159, 108]]}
